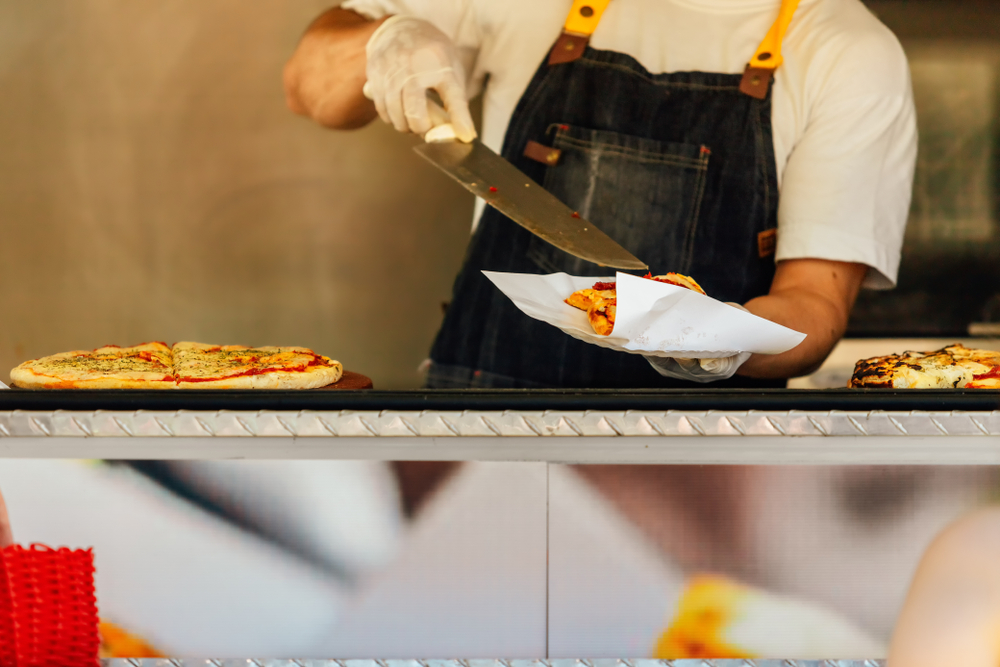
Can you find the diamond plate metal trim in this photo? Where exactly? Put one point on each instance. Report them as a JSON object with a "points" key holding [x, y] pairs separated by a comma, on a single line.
{"points": [[250, 662], [430, 424]]}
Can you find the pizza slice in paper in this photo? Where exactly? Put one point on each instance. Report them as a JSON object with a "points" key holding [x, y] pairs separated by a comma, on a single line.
{"points": [[601, 301]]}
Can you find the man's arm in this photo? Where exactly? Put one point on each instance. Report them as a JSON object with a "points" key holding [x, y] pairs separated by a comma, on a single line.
{"points": [[325, 76], [814, 296]]}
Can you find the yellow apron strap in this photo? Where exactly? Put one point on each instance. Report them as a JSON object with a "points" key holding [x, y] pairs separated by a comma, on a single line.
{"points": [[585, 16], [581, 23], [760, 71]]}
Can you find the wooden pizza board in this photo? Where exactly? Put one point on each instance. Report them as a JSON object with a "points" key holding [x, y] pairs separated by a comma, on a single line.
{"points": [[351, 381]]}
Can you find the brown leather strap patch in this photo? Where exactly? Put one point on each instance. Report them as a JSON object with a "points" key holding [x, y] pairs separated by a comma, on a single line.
{"points": [[567, 48], [756, 82], [767, 242], [542, 153]]}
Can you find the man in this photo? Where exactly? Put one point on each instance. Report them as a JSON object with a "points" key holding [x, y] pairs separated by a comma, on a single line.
{"points": [[665, 145]]}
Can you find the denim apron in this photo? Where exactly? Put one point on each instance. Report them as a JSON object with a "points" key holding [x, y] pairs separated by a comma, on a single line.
{"points": [[678, 168]]}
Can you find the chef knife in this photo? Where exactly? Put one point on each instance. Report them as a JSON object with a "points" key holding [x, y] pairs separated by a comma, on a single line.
{"points": [[507, 189]]}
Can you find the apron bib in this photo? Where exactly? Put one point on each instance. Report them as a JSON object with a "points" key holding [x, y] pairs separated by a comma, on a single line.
{"points": [[678, 168]]}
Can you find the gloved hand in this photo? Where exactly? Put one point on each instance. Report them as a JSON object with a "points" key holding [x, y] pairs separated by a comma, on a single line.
{"points": [[406, 58], [700, 370]]}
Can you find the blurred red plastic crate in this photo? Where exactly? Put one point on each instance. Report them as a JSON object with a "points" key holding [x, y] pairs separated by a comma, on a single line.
{"points": [[48, 608]]}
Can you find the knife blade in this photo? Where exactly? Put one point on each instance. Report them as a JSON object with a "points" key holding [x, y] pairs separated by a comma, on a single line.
{"points": [[507, 189]]}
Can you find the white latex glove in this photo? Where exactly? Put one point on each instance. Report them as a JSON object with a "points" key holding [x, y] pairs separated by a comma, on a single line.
{"points": [[700, 370], [406, 58]]}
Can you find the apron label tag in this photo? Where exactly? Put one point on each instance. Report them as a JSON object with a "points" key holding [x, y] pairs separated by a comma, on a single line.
{"points": [[542, 153], [567, 48], [767, 242], [756, 82]]}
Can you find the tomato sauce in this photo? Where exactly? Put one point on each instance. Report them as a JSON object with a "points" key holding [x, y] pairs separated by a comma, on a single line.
{"points": [[992, 374]]}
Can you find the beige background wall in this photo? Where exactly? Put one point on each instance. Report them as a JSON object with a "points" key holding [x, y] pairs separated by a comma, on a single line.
{"points": [[153, 186]]}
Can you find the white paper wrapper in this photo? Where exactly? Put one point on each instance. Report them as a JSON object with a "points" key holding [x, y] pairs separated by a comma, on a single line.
{"points": [[653, 318], [3, 386]]}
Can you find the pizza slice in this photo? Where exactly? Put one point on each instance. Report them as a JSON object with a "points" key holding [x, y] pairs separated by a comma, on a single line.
{"points": [[955, 366], [601, 301], [201, 366], [146, 366]]}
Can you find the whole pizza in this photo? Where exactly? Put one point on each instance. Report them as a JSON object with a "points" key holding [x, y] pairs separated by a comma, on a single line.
{"points": [[181, 366], [955, 366]]}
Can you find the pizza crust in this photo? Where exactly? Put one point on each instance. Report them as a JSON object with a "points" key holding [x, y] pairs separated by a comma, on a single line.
{"points": [[104, 383], [274, 380], [308, 379]]}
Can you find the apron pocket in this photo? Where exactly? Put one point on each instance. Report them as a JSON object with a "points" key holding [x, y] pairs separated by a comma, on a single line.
{"points": [[644, 194]]}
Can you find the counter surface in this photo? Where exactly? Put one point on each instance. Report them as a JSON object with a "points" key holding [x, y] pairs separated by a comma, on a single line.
{"points": [[671, 436]]}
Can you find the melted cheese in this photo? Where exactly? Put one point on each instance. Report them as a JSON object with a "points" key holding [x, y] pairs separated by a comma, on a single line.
{"points": [[955, 367], [195, 361], [932, 372]]}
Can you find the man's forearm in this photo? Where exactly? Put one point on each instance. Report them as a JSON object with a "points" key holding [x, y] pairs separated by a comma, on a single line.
{"points": [[814, 297], [804, 312], [325, 76]]}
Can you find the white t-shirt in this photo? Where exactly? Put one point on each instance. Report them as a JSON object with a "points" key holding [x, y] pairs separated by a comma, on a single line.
{"points": [[845, 136]]}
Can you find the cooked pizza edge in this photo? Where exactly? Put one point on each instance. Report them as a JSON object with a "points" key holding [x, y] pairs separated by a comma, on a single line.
{"points": [[311, 378]]}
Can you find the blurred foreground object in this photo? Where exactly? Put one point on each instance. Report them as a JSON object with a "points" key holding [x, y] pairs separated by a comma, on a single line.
{"points": [[6, 536], [118, 643], [719, 618], [48, 609], [952, 612]]}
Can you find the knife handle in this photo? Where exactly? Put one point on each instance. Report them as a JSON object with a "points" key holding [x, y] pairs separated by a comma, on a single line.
{"points": [[441, 129]]}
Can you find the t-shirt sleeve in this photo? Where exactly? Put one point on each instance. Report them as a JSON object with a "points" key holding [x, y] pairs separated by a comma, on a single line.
{"points": [[455, 18], [846, 189]]}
